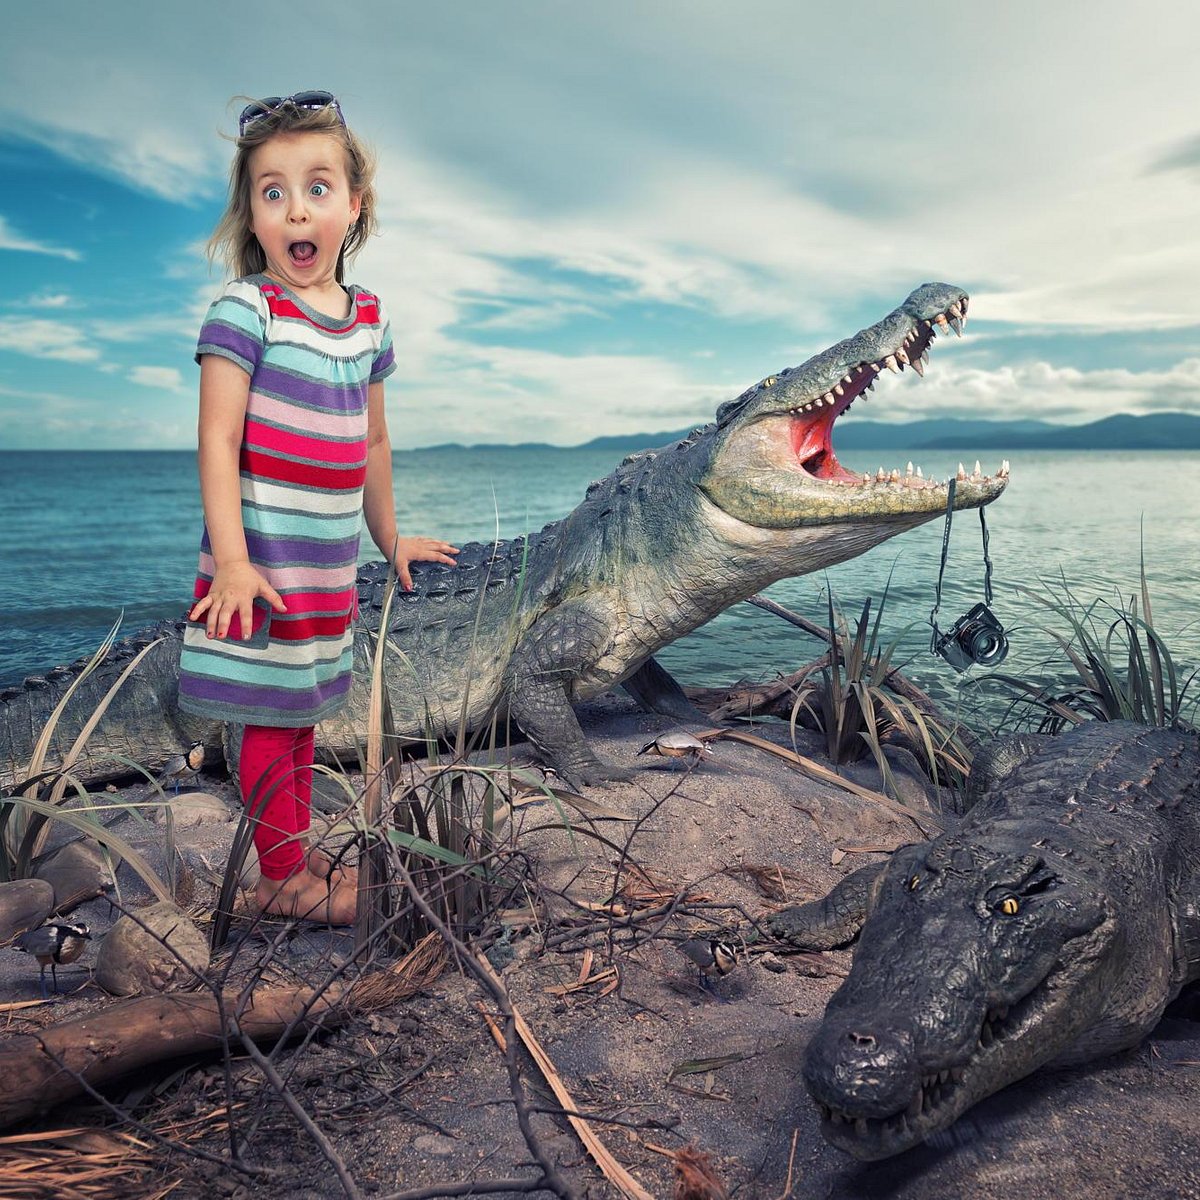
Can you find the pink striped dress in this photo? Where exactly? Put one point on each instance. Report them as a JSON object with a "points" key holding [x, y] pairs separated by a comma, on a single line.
{"points": [[303, 464]]}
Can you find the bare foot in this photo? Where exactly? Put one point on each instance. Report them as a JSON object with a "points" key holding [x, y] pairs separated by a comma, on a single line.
{"points": [[305, 896], [322, 865]]}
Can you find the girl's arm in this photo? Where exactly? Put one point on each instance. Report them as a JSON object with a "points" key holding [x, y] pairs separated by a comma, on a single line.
{"points": [[379, 503], [224, 390]]}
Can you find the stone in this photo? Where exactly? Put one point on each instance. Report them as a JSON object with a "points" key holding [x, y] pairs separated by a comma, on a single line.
{"points": [[24, 904], [77, 872], [167, 953], [194, 808], [434, 1144]]}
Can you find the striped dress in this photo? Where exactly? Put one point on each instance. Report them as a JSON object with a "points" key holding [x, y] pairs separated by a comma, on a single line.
{"points": [[303, 464]]}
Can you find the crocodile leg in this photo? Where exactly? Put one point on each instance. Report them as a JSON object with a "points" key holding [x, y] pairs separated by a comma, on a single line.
{"points": [[656, 690], [834, 920], [560, 647]]}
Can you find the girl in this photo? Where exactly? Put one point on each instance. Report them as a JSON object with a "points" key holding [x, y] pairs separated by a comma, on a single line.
{"points": [[294, 451]]}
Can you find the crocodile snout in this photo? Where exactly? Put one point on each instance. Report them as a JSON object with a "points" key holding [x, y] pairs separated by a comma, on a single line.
{"points": [[862, 1067]]}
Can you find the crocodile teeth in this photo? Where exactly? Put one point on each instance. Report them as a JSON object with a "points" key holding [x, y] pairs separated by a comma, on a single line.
{"points": [[1003, 472], [880, 475], [902, 354], [919, 474], [876, 367], [915, 1104], [838, 390], [978, 472], [961, 474], [894, 477], [908, 471], [891, 364], [918, 365], [941, 320], [985, 1036], [956, 325], [954, 310]]}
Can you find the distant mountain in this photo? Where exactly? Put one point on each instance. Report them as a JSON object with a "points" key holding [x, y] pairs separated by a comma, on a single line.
{"points": [[1158, 431]]}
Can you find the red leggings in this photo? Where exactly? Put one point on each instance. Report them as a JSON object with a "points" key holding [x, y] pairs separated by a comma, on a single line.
{"points": [[276, 773]]}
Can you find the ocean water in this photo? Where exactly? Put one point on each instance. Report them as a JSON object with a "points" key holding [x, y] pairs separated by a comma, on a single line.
{"points": [[87, 537]]}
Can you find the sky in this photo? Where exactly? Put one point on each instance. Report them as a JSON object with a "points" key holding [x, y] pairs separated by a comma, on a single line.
{"points": [[609, 218]]}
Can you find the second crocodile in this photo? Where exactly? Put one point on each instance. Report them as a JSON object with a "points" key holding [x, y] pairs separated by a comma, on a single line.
{"points": [[1053, 925]]}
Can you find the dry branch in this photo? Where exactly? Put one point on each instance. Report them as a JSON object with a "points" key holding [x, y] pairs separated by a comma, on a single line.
{"points": [[41, 1070]]}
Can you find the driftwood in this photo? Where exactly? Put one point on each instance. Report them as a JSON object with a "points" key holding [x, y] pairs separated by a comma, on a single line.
{"points": [[41, 1070], [776, 698]]}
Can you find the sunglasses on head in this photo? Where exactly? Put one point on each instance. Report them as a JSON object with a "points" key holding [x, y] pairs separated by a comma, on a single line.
{"points": [[272, 104]]}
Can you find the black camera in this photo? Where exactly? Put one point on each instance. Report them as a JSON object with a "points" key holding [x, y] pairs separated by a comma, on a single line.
{"points": [[975, 639]]}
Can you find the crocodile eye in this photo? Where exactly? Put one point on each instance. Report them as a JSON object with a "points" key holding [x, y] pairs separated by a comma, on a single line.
{"points": [[1009, 906], [914, 883]]}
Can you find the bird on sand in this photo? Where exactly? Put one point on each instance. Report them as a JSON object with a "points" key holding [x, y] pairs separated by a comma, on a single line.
{"points": [[53, 945], [182, 766], [678, 745], [714, 958]]}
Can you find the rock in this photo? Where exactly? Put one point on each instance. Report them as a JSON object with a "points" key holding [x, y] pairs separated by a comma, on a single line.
{"points": [[168, 952], [194, 808], [434, 1144], [77, 872], [24, 904]]}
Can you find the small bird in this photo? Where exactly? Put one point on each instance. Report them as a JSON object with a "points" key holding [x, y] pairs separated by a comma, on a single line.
{"points": [[713, 957], [182, 766], [54, 944], [677, 745]]}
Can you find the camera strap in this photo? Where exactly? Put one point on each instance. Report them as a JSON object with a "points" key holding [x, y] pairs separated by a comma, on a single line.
{"points": [[987, 563]]}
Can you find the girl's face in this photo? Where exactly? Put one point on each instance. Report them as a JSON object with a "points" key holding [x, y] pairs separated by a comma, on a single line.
{"points": [[301, 208]]}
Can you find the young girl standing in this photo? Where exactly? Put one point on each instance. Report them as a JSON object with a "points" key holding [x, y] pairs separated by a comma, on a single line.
{"points": [[294, 452]]}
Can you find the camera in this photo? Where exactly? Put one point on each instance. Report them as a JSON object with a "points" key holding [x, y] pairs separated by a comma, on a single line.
{"points": [[975, 639]]}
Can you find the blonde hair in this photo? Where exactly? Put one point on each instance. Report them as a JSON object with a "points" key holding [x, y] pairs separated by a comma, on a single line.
{"points": [[233, 242]]}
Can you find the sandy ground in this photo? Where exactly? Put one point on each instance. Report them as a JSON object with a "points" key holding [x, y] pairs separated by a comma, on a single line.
{"points": [[1124, 1127]]}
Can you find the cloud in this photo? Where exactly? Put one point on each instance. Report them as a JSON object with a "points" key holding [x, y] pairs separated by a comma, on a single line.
{"points": [[47, 339], [157, 377], [11, 240], [47, 300], [1035, 389]]}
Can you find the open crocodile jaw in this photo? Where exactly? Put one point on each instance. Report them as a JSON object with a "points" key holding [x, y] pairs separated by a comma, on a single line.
{"points": [[780, 471]]}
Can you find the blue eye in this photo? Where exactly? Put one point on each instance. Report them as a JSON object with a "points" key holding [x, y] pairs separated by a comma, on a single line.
{"points": [[319, 189], [273, 193]]}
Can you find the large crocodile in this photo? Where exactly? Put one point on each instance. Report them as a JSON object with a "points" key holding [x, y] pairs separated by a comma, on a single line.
{"points": [[667, 541], [1055, 923]]}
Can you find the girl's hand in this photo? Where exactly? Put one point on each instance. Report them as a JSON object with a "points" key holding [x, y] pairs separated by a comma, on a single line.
{"points": [[420, 549], [234, 589]]}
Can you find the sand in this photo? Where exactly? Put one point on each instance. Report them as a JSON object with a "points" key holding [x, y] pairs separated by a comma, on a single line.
{"points": [[1122, 1127]]}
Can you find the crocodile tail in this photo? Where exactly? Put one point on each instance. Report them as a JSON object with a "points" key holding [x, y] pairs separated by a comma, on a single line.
{"points": [[141, 723]]}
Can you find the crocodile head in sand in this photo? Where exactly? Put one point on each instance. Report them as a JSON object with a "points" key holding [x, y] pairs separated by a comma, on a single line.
{"points": [[982, 960]]}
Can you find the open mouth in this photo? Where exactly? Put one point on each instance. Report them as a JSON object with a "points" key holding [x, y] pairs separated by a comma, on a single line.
{"points": [[303, 254], [942, 1096], [811, 423]]}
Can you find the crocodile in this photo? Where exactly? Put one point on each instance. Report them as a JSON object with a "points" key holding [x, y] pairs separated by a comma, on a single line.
{"points": [[1052, 925], [664, 543]]}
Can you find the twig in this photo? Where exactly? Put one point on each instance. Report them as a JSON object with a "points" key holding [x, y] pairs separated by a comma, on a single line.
{"points": [[310, 1127]]}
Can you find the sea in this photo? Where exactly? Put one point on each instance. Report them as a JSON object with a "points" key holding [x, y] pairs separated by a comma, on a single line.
{"points": [[92, 538]]}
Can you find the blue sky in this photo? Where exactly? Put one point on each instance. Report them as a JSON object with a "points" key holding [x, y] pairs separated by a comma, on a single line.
{"points": [[609, 218]]}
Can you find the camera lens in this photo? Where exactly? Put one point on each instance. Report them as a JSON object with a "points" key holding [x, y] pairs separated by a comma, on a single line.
{"points": [[986, 646]]}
